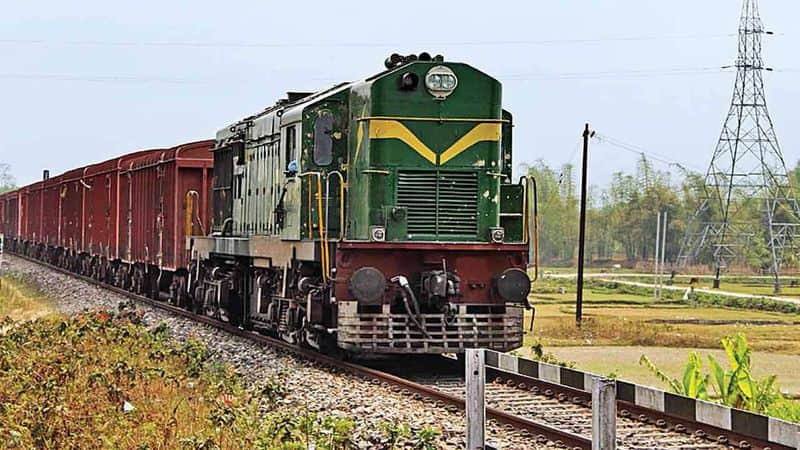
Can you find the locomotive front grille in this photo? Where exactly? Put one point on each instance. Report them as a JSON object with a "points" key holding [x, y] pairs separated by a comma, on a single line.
{"points": [[441, 204], [497, 327]]}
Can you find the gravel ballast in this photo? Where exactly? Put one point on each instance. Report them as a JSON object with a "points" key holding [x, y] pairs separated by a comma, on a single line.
{"points": [[318, 389]]}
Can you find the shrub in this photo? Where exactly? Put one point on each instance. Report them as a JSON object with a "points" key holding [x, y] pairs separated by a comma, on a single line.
{"points": [[734, 386], [101, 380]]}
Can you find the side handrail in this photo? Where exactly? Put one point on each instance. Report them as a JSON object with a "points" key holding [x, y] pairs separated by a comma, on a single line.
{"points": [[325, 257], [193, 197], [530, 222], [342, 188]]}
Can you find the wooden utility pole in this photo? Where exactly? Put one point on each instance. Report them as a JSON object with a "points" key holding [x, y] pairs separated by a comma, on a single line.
{"points": [[582, 226]]}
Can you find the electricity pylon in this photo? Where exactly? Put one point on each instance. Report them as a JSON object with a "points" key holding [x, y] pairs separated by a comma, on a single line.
{"points": [[747, 172]]}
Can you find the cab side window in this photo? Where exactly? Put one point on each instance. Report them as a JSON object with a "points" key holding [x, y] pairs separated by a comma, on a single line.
{"points": [[323, 139], [290, 143]]}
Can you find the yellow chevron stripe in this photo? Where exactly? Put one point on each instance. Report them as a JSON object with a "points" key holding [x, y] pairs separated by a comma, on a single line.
{"points": [[481, 132], [359, 138], [392, 129]]}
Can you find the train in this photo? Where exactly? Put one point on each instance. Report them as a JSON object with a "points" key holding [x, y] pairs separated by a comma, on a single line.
{"points": [[375, 218]]}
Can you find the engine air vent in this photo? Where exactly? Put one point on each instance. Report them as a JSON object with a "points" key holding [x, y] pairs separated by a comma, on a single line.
{"points": [[439, 204]]}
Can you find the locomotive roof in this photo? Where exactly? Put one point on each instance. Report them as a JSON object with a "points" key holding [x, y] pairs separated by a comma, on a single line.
{"points": [[264, 123], [287, 112]]}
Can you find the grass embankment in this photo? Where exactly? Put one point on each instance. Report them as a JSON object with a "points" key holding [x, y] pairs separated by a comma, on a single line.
{"points": [[625, 322], [21, 300], [103, 380]]}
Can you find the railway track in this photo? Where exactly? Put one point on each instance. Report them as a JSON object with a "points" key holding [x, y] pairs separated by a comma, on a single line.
{"points": [[550, 405], [545, 412]]}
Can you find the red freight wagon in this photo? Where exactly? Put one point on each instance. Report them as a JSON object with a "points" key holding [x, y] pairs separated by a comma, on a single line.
{"points": [[32, 212], [3, 214], [167, 193], [101, 215], [51, 199], [9, 218], [7, 214], [71, 193]]}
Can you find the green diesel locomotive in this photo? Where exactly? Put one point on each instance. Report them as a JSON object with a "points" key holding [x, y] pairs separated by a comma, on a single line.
{"points": [[376, 217]]}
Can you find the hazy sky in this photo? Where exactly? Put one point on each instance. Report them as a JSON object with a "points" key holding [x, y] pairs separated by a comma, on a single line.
{"points": [[85, 81]]}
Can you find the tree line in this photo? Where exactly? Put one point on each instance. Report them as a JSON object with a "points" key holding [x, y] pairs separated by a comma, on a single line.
{"points": [[7, 181], [621, 218]]}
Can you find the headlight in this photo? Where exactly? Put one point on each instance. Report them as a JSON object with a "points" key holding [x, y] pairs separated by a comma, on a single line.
{"points": [[513, 285], [441, 81]]}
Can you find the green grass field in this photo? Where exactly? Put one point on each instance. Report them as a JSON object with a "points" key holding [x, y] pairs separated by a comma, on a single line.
{"points": [[622, 327]]}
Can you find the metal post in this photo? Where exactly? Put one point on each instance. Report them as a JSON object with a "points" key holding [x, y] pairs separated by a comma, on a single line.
{"points": [[475, 374], [582, 227], [750, 157], [604, 413], [657, 256], [663, 255]]}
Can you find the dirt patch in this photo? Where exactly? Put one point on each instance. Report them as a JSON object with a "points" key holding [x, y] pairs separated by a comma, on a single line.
{"points": [[623, 362], [723, 322]]}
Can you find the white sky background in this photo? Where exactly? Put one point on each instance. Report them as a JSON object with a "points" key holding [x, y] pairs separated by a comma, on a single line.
{"points": [[81, 82]]}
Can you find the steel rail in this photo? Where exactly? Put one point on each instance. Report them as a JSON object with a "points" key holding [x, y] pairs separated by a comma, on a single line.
{"points": [[539, 430], [641, 414]]}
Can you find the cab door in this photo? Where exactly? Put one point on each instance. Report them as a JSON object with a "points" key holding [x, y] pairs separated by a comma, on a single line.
{"points": [[324, 152]]}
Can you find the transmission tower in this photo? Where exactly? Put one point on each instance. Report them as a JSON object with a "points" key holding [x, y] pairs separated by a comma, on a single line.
{"points": [[747, 173]]}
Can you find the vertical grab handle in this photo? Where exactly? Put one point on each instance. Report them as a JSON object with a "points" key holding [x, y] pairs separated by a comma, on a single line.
{"points": [[533, 252], [530, 221], [189, 212]]}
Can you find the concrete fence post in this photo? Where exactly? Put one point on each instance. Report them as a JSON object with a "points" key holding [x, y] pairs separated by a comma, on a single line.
{"points": [[475, 375], [604, 414]]}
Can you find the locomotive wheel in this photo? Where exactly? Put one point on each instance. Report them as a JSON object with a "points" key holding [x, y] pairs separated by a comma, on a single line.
{"points": [[197, 301], [209, 304]]}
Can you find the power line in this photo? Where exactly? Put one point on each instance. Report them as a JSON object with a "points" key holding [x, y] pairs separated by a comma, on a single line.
{"points": [[245, 44], [633, 73], [99, 78], [102, 78], [642, 151]]}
